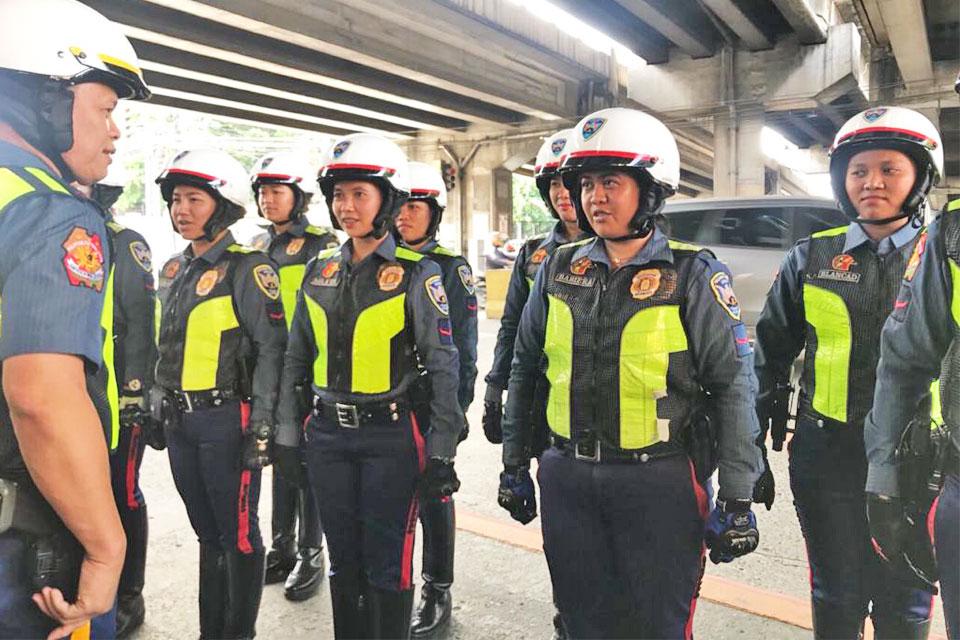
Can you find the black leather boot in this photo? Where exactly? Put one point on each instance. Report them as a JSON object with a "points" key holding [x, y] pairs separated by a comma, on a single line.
{"points": [[244, 588], [439, 534], [304, 581], [348, 621], [900, 628], [130, 605], [283, 523], [212, 592], [389, 614], [831, 622], [433, 614]]}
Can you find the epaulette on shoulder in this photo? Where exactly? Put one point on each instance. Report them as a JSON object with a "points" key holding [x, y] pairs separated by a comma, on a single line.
{"points": [[327, 253], [828, 233], [406, 254], [239, 248], [443, 251]]}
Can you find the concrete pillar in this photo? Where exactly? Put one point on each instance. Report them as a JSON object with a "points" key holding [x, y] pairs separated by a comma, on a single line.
{"points": [[739, 165], [502, 198]]}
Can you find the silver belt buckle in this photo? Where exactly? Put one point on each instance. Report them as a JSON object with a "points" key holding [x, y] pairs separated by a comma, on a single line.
{"points": [[187, 402], [347, 416], [594, 457]]}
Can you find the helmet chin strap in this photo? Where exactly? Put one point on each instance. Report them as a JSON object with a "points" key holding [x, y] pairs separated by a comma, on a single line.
{"points": [[880, 221], [642, 231]]}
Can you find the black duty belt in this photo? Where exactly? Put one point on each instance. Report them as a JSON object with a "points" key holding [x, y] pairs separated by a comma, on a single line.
{"points": [[592, 450], [190, 401], [354, 416]]}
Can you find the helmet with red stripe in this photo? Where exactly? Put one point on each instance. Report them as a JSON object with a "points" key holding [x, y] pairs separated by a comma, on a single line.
{"points": [[426, 184], [547, 165], [285, 167], [217, 173], [896, 128], [366, 156], [630, 141]]}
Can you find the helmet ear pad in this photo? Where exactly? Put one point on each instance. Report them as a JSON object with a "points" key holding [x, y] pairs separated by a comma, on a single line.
{"points": [[543, 186], [55, 102]]}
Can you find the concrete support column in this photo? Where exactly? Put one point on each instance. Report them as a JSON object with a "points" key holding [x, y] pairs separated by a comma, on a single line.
{"points": [[739, 165], [502, 199]]}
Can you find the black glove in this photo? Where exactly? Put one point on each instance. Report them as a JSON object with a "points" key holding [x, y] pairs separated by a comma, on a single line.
{"points": [[765, 491], [493, 414], [257, 446], [438, 480], [888, 526], [133, 414], [465, 431], [773, 413], [517, 494], [289, 464], [731, 531]]}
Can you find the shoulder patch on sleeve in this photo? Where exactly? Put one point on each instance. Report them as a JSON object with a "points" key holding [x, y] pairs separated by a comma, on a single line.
{"points": [[83, 259], [437, 294], [722, 288], [267, 279], [914, 261], [142, 255], [466, 277]]}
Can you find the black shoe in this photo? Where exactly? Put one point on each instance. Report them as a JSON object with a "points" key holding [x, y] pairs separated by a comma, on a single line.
{"points": [[130, 613], [244, 587], [559, 631], [304, 581], [433, 614], [213, 579], [348, 609], [280, 562]]}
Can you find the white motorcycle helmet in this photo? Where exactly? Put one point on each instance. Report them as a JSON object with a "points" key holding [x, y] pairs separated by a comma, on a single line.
{"points": [[426, 184], [547, 165], [897, 128], [217, 173], [366, 156], [46, 46], [285, 167]]}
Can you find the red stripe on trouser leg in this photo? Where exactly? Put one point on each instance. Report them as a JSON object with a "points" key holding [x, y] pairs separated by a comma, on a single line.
{"points": [[702, 506], [931, 522], [243, 513], [244, 416], [131, 471], [409, 540], [418, 442]]}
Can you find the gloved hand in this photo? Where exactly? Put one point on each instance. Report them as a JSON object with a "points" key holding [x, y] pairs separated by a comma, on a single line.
{"points": [[888, 525], [493, 414], [731, 531], [133, 413], [289, 464], [773, 412], [466, 429], [257, 446], [765, 491], [517, 494], [438, 479]]}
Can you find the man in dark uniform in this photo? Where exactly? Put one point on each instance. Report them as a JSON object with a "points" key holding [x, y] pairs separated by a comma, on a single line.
{"points": [[417, 225], [59, 83], [131, 355], [283, 186], [222, 336]]}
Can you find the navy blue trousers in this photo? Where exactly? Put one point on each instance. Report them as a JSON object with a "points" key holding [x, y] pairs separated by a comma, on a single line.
{"points": [[220, 497], [828, 472], [946, 539], [624, 543], [365, 483]]}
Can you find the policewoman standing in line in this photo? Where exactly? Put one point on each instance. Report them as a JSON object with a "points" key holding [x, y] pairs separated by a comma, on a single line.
{"points": [[831, 298], [636, 330], [283, 185], [369, 315], [222, 337], [416, 226]]}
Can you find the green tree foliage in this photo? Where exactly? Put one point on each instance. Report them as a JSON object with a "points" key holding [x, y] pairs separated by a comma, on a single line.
{"points": [[530, 214]]}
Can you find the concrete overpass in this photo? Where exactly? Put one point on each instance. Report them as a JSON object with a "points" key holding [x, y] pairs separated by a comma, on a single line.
{"points": [[478, 83]]}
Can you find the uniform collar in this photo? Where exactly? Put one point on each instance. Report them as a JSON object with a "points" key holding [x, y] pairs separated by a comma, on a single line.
{"points": [[429, 246], [387, 249], [559, 236], [298, 229], [11, 154], [215, 252], [856, 236], [657, 249]]}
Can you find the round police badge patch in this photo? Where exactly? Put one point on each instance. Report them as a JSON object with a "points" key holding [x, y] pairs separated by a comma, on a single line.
{"points": [[268, 280], [580, 266], [389, 276], [538, 256], [723, 290], [207, 282], [645, 283], [294, 247], [83, 259], [437, 294]]}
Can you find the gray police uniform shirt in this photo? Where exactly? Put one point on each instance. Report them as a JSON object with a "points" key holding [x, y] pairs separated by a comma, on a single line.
{"points": [[461, 294], [431, 333], [518, 291], [725, 369], [781, 329], [915, 339]]}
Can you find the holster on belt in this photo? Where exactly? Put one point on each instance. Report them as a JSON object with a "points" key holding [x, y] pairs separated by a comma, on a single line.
{"points": [[420, 395], [303, 396], [700, 441], [54, 554]]}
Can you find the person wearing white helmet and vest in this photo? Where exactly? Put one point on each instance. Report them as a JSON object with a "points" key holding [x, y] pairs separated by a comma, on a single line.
{"points": [[641, 336], [221, 342], [130, 356], [370, 317], [283, 186], [830, 300], [61, 540], [919, 344], [416, 226]]}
